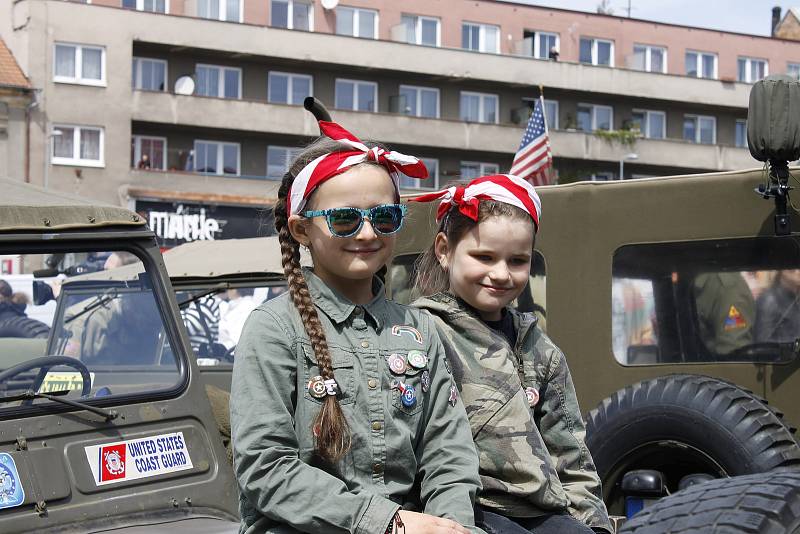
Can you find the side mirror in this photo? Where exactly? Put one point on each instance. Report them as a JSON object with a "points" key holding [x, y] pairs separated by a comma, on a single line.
{"points": [[42, 292]]}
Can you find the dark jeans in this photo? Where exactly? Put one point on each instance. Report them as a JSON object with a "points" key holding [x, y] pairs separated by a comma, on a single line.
{"points": [[547, 524]]}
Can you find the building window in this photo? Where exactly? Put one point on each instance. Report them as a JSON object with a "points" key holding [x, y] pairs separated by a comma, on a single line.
{"points": [[213, 157], [741, 133], [750, 70], [154, 6], [149, 74], [700, 129], [149, 152], [550, 112], [701, 65], [480, 37], [77, 145], [597, 51], [226, 10], [419, 101], [287, 88], [293, 14], [279, 158], [356, 95], [432, 182], [539, 44], [593, 117], [473, 169], [602, 176], [793, 70], [420, 30], [221, 82], [652, 124], [83, 64], [478, 107], [357, 22], [649, 58]]}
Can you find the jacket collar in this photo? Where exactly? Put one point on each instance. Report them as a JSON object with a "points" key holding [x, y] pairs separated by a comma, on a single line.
{"points": [[338, 308]]}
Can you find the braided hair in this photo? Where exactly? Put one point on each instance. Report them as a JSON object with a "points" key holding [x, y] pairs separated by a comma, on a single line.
{"points": [[330, 428]]}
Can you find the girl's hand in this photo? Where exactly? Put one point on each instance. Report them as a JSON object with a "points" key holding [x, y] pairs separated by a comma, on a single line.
{"points": [[416, 523]]}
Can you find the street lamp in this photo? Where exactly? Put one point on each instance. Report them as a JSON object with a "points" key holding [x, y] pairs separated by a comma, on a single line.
{"points": [[622, 164], [48, 152]]}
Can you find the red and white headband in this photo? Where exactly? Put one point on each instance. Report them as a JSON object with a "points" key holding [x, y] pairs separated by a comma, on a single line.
{"points": [[332, 164], [505, 188]]}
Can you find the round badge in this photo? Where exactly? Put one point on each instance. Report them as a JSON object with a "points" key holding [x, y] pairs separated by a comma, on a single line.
{"points": [[533, 395], [316, 387], [409, 396], [426, 381], [397, 364], [417, 359]]}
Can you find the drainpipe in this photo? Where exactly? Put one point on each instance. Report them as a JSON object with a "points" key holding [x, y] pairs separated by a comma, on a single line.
{"points": [[28, 109]]}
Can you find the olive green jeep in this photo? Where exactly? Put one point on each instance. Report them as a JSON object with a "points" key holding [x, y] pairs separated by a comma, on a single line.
{"points": [[105, 423]]}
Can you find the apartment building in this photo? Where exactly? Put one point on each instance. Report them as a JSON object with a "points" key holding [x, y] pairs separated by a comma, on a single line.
{"points": [[189, 110], [16, 97]]}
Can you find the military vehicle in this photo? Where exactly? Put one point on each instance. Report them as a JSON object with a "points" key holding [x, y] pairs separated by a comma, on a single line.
{"points": [[675, 303], [104, 421]]}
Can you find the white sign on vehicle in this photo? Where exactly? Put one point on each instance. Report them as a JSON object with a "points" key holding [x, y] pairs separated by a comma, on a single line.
{"points": [[138, 458]]}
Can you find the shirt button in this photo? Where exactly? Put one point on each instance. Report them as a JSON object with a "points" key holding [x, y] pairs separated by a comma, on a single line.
{"points": [[377, 468], [359, 311], [377, 425], [372, 383], [365, 344]]}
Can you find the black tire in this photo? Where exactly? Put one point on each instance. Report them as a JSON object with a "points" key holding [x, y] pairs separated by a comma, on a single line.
{"points": [[685, 424], [764, 503], [23, 327]]}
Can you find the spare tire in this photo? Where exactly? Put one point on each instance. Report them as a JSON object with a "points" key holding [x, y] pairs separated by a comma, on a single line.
{"points": [[23, 327], [685, 424], [764, 503]]}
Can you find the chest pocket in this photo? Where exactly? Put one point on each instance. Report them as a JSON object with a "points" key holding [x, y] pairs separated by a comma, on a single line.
{"points": [[342, 362], [417, 378]]}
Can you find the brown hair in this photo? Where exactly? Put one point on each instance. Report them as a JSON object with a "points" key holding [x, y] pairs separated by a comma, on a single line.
{"points": [[333, 438], [429, 276]]}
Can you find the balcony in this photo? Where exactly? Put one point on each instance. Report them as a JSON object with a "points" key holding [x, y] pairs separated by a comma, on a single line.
{"points": [[121, 27], [260, 117]]}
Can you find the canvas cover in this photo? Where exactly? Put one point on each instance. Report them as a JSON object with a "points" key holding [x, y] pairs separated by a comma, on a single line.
{"points": [[773, 120], [27, 207]]}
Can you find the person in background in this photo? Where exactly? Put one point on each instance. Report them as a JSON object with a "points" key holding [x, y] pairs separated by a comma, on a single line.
{"points": [[236, 305], [778, 309], [10, 305], [726, 311]]}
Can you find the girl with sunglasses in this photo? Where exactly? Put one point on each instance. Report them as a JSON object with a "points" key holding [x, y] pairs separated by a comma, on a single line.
{"points": [[537, 473], [344, 415]]}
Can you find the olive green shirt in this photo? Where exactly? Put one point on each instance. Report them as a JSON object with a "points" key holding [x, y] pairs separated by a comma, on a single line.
{"points": [[421, 456], [726, 311]]}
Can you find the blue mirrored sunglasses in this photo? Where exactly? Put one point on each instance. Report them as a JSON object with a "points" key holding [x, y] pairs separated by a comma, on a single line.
{"points": [[386, 219]]}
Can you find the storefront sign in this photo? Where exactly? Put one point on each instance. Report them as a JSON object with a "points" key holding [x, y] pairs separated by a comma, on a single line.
{"points": [[175, 223]]}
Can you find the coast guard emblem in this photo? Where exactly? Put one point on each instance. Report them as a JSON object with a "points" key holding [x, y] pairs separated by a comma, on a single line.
{"points": [[11, 492]]}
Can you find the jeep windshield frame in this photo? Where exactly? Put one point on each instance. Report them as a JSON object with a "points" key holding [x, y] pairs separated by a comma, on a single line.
{"points": [[140, 242]]}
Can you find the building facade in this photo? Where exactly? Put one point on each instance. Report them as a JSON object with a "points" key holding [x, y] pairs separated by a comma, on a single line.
{"points": [[198, 103], [16, 100]]}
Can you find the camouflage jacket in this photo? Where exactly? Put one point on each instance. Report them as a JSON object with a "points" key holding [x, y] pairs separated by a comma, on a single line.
{"points": [[532, 460]]}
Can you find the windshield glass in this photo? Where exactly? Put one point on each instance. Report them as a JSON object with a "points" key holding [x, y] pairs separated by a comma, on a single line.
{"points": [[109, 328], [214, 318], [735, 300]]}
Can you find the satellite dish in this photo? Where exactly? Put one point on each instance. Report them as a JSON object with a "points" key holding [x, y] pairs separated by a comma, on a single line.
{"points": [[184, 85], [329, 4]]}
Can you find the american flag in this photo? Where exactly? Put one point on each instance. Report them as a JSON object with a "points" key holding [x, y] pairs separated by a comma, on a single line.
{"points": [[534, 156]]}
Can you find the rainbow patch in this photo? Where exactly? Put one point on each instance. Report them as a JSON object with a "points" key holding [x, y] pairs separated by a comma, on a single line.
{"points": [[401, 330], [734, 320]]}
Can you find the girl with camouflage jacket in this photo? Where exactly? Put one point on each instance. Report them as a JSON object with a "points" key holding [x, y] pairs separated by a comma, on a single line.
{"points": [[536, 471]]}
